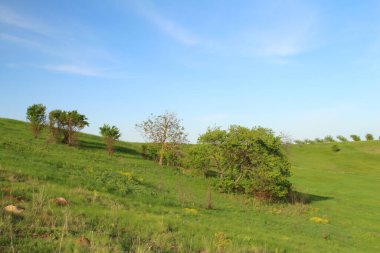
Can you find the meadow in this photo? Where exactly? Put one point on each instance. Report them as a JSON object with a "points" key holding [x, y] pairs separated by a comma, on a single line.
{"points": [[123, 203]]}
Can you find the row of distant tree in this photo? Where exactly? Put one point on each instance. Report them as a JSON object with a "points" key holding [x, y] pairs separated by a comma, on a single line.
{"points": [[245, 160], [339, 138]]}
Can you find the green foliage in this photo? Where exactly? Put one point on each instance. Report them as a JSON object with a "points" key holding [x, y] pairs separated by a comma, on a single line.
{"points": [[369, 137], [335, 148], [110, 134], [299, 142], [328, 139], [150, 151], [341, 138], [318, 140], [146, 209], [173, 155], [199, 157], [355, 137], [248, 161], [36, 114], [66, 124]]}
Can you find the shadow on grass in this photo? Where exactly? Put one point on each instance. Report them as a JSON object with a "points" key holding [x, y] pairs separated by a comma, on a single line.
{"points": [[101, 146], [305, 198]]}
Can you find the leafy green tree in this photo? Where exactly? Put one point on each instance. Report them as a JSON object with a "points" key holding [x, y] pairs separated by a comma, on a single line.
{"points": [[299, 142], [248, 161], [355, 137], [110, 135], [328, 139], [318, 140], [341, 138], [165, 130], [369, 137], [56, 122], [65, 124], [73, 123], [37, 117]]}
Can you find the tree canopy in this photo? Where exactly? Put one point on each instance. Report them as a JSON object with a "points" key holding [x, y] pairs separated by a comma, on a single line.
{"points": [[37, 117], [110, 134]]}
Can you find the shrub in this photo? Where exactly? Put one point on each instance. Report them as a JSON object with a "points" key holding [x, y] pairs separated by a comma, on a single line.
{"points": [[247, 160], [335, 148]]}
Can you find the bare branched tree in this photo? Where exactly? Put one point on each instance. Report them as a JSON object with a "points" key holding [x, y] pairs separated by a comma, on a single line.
{"points": [[165, 130]]}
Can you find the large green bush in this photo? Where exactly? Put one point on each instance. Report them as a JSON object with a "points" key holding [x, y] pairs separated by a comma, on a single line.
{"points": [[247, 161]]}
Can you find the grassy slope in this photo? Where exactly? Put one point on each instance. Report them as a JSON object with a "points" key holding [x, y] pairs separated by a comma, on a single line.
{"points": [[123, 203]]}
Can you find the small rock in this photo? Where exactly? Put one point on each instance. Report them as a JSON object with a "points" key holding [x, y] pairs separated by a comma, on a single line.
{"points": [[83, 241], [61, 201], [14, 209]]}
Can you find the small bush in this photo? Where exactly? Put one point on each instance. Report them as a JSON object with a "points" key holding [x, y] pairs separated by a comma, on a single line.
{"points": [[335, 148]]}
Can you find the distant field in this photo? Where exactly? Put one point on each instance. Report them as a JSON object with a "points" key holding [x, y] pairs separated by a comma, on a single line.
{"points": [[126, 204]]}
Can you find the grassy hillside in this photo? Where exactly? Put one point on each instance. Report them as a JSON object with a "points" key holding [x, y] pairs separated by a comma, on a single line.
{"points": [[126, 204]]}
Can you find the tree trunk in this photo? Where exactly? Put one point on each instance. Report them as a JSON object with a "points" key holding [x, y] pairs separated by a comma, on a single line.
{"points": [[161, 158]]}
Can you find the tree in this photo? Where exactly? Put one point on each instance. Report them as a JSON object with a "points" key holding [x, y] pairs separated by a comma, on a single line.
{"points": [[37, 117], [66, 124], [369, 137], [355, 137], [341, 138], [73, 122], [247, 160], [165, 130], [110, 135], [328, 139], [56, 121]]}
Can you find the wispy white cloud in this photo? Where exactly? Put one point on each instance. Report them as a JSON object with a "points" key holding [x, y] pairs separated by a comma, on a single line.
{"points": [[74, 69], [72, 44], [12, 18], [290, 28], [167, 25]]}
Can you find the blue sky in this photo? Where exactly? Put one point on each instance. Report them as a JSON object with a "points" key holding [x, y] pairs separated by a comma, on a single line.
{"points": [[304, 68]]}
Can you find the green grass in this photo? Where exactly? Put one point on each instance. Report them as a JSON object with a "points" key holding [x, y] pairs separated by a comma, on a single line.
{"points": [[126, 204]]}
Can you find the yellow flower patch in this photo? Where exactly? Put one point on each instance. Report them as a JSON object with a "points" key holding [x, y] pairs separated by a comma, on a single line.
{"points": [[319, 220], [191, 211]]}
